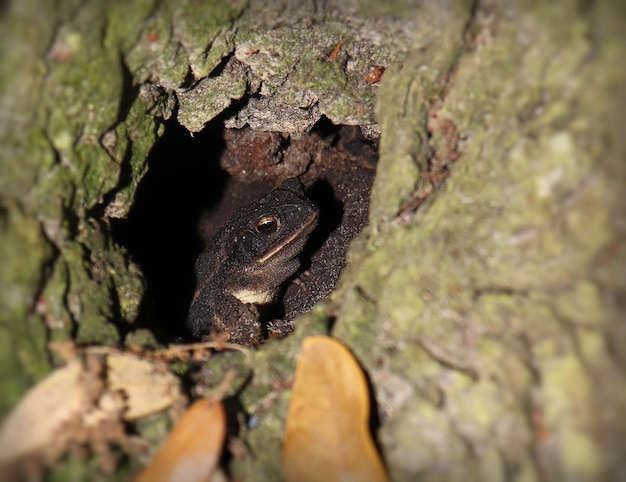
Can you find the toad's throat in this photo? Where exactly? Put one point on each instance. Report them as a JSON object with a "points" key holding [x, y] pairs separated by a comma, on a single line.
{"points": [[283, 243], [257, 297]]}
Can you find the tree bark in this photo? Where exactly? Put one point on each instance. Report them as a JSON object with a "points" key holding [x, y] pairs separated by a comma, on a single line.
{"points": [[485, 299]]}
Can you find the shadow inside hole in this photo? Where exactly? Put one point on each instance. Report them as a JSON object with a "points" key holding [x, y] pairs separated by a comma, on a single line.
{"points": [[330, 216], [160, 231], [185, 194]]}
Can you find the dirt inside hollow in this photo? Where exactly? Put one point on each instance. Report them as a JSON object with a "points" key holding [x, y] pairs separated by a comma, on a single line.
{"points": [[211, 175]]}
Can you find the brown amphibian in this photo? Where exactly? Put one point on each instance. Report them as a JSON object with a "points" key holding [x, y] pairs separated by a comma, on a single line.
{"points": [[247, 261]]}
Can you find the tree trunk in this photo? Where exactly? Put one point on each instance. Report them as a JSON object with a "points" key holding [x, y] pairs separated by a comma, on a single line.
{"points": [[485, 299]]}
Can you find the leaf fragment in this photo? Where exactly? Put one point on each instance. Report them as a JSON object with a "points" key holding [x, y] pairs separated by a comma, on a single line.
{"points": [[327, 435], [192, 450], [102, 387]]}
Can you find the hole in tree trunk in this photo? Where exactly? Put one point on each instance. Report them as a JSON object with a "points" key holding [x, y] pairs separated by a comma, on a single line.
{"points": [[195, 184]]}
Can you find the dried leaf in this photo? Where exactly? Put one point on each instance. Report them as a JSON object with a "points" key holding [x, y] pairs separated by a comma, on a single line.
{"points": [[31, 426], [147, 387], [327, 435], [84, 402], [193, 448]]}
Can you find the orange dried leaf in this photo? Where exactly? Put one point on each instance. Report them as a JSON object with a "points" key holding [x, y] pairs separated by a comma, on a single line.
{"points": [[193, 448], [327, 435], [335, 51]]}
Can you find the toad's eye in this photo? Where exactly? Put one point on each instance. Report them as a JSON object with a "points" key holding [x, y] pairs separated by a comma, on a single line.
{"points": [[267, 225]]}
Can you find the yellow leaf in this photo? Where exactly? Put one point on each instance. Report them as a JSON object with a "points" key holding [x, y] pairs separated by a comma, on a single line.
{"points": [[192, 450], [327, 436], [147, 387]]}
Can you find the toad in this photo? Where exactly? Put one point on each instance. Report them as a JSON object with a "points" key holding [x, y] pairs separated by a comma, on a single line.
{"points": [[247, 261]]}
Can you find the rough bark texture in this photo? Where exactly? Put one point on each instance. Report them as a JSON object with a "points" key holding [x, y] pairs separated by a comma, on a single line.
{"points": [[490, 320]]}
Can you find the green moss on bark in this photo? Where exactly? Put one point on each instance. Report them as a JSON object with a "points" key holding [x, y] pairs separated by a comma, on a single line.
{"points": [[492, 277], [488, 321]]}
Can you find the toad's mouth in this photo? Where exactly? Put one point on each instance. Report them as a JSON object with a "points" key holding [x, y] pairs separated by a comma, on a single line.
{"points": [[286, 242]]}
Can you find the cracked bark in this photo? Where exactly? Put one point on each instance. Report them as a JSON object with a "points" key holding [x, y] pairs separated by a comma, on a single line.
{"points": [[488, 309]]}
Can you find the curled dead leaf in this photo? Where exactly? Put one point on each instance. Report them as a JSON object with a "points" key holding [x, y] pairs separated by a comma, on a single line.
{"points": [[148, 387], [193, 448], [84, 403], [31, 426], [327, 435]]}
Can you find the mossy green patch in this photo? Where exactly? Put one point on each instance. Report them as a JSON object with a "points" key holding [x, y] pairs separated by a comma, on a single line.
{"points": [[494, 270], [22, 251], [173, 40], [210, 97], [511, 272], [422, 439]]}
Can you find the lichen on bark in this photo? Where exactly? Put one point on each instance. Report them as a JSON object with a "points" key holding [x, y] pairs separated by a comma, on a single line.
{"points": [[74, 136], [488, 301], [488, 319]]}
